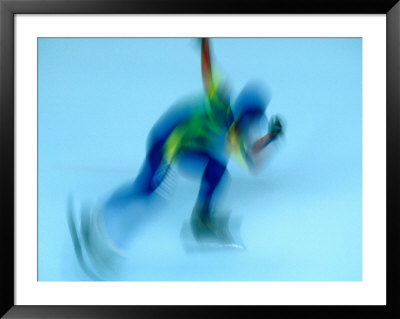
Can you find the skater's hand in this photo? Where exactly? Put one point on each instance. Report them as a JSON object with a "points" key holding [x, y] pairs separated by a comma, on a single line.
{"points": [[275, 126], [275, 130]]}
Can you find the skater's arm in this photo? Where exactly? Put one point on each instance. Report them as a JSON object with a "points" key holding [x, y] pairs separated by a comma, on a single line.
{"points": [[263, 142], [217, 90], [247, 154], [206, 69]]}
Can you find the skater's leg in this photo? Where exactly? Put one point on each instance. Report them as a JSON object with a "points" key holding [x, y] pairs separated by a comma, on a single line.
{"points": [[153, 171], [125, 213], [151, 175], [205, 224], [212, 177]]}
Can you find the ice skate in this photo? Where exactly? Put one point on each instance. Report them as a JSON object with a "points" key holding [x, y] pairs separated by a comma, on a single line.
{"points": [[96, 254], [218, 232]]}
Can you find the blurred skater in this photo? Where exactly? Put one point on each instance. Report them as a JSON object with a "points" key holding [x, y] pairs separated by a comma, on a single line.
{"points": [[202, 132]]}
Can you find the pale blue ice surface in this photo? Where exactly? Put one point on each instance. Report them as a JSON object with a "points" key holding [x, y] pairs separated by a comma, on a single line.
{"points": [[301, 217]]}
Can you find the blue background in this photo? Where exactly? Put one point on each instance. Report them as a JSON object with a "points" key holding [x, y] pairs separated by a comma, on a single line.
{"points": [[301, 216]]}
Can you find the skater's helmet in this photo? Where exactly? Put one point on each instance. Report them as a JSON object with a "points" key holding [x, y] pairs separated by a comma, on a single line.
{"points": [[251, 102]]}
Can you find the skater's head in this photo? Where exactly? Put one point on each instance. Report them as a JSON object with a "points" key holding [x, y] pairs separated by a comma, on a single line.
{"points": [[251, 104]]}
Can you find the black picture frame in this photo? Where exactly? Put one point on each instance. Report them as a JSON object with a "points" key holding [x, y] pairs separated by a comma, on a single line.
{"points": [[8, 8]]}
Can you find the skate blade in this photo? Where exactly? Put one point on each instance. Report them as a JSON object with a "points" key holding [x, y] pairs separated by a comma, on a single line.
{"points": [[78, 246], [192, 245]]}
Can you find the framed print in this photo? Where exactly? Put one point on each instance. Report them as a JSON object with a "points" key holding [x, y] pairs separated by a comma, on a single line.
{"points": [[163, 158]]}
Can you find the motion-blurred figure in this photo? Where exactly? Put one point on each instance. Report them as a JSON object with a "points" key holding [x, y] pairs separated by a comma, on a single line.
{"points": [[201, 132]]}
